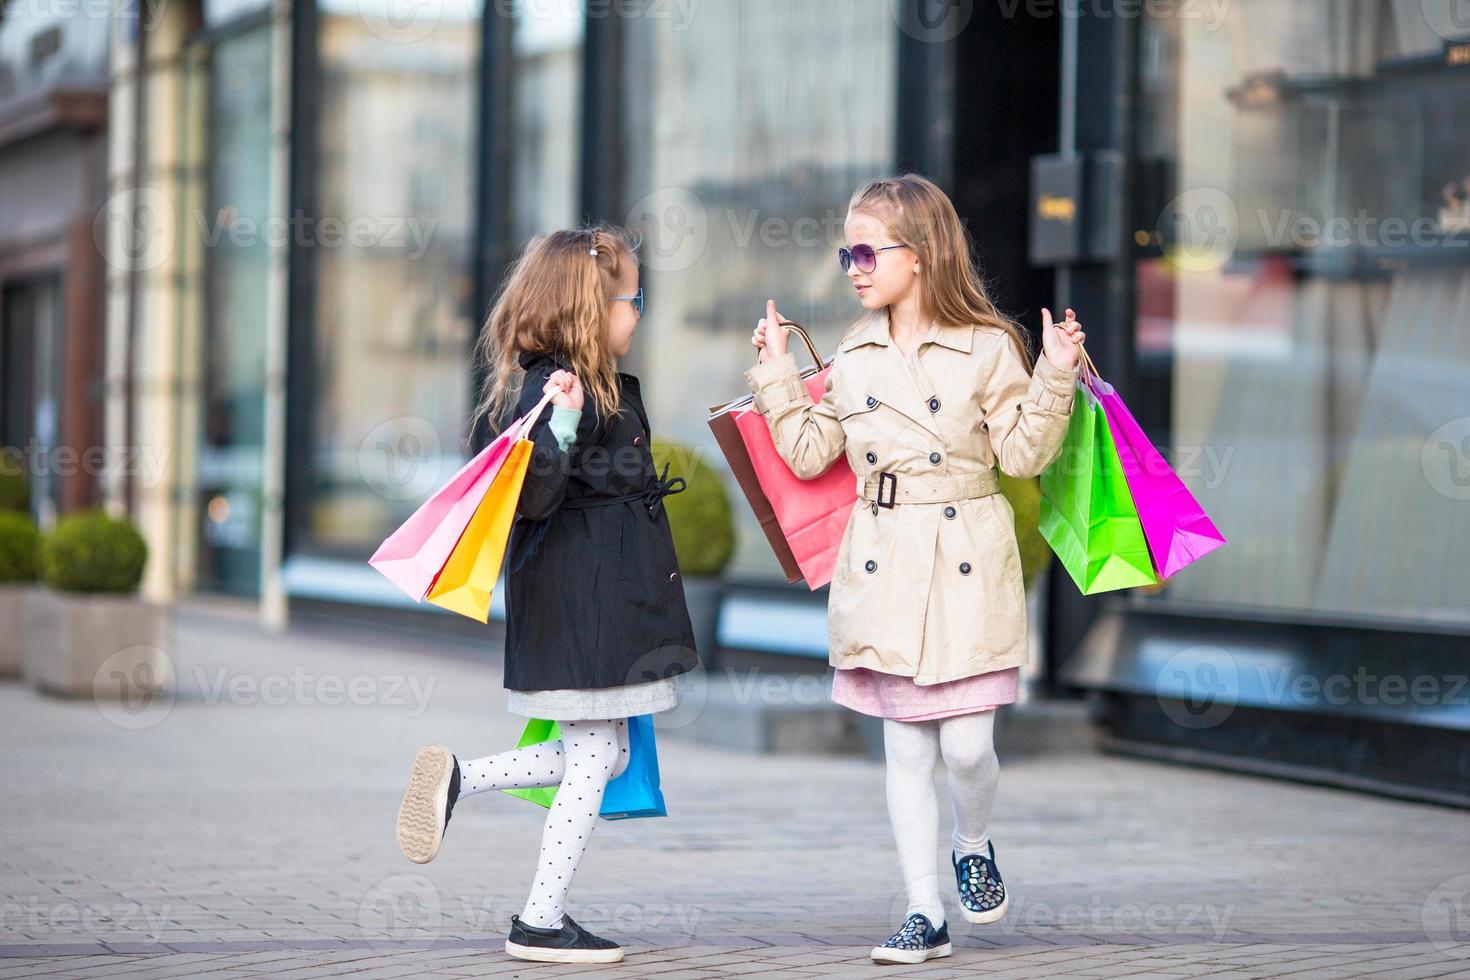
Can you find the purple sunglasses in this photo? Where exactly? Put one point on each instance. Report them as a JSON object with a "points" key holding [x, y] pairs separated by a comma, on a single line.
{"points": [[864, 256]]}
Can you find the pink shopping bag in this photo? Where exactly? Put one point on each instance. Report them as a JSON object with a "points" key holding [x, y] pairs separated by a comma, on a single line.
{"points": [[1176, 527], [412, 556], [813, 514]]}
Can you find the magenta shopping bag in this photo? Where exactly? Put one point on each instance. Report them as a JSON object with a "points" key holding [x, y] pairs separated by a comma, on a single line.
{"points": [[1176, 527], [414, 554]]}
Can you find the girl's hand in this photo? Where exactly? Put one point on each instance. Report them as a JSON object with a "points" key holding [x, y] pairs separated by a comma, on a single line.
{"points": [[568, 388], [769, 336], [1061, 343]]}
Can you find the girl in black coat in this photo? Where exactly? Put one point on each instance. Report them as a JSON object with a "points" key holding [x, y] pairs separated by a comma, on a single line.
{"points": [[597, 629]]}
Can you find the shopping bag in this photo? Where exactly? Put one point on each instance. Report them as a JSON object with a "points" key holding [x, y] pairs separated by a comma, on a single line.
{"points": [[415, 553], [803, 519], [634, 793], [1087, 512], [468, 578], [1176, 527]]}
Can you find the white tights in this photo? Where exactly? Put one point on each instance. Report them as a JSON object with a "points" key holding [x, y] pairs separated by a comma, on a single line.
{"points": [[913, 748], [597, 752]]}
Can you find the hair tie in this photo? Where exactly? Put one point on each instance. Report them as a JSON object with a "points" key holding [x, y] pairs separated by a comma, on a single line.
{"points": [[592, 251]]}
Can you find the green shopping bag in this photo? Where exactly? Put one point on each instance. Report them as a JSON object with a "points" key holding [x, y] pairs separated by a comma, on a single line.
{"points": [[634, 793], [1087, 511]]}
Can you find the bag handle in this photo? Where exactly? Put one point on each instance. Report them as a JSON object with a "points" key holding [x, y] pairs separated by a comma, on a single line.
{"points": [[806, 339], [1088, 369]]}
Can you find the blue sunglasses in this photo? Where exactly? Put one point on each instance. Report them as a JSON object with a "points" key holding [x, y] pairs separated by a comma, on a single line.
{"points": [[636, 299]]}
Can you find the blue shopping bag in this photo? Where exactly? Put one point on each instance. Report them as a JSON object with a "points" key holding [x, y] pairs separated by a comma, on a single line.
{"points": [[635, 793]]}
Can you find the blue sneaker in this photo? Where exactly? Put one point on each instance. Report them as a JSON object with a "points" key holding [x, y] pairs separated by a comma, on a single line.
{"points": [[982, 894], [915, 941]]}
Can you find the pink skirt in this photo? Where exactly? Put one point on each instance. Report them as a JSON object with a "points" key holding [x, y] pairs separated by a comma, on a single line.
{"points": [[894, 696]]}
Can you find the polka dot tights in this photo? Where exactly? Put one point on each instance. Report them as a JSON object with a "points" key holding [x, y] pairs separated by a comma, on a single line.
{"points": [[588, 755]]}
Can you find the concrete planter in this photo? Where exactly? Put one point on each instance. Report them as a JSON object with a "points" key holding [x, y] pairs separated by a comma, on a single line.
{"points": [[86, 645], [13, 600]]}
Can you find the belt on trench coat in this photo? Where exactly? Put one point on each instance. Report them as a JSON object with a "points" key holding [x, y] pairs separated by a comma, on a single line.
{"points": [[652, 497], [886, 489]]}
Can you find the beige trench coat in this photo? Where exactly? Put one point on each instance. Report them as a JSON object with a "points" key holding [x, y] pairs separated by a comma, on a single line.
{"points": [[929, 587]]}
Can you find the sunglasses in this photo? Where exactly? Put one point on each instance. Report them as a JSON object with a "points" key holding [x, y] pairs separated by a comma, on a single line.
{"points": [[864, 256], [636, 299]]}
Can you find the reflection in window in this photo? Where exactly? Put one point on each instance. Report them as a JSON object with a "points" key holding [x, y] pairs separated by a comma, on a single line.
{"points": [[749, 126], [1312, 291], [391, 245], [546, 43], [232, 436], [44, 45]]}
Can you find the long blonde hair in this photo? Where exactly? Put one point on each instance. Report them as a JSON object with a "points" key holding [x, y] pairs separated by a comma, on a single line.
{"points": [[951, 291], [554, 301]]}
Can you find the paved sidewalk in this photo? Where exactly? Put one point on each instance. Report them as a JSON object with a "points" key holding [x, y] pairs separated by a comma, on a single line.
{"points": [[246, 829]]}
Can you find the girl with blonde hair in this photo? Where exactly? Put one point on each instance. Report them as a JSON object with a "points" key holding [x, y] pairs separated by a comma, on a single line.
{"points": [[597, 629], [929, 393]]}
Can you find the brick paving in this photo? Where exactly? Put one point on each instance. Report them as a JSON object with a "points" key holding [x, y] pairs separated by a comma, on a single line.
{"points": [[245, 828]]}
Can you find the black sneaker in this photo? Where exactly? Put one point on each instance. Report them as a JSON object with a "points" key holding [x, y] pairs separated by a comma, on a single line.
{"points": [[915, 941], [982, 894], [569, 944], [433, 788]]}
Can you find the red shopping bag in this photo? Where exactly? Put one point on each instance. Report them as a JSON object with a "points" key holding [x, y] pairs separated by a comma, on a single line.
{"points": [[807, 517]]}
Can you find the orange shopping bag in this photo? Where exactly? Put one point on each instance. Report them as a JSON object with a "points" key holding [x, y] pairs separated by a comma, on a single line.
{"points": [[468, 578]]}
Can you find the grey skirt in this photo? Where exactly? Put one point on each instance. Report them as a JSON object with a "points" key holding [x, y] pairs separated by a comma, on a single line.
{"points": [[597, 704]]}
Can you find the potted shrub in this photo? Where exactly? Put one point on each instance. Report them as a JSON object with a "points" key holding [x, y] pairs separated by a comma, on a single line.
{"points": [[20, 544], [704, 537], [14, 492], [90, 633]]}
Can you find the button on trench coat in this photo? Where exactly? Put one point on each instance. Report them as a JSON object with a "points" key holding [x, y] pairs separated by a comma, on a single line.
{"points": [[930, 587]]}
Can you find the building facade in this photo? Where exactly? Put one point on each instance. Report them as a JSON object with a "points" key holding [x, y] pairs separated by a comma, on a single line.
{"points": [[1258, 208]]}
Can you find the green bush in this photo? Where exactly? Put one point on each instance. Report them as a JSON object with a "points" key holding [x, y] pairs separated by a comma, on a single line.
{"points": [[20, 547], [700, 515], [1025, 498], [14, 492], [92, 552]]}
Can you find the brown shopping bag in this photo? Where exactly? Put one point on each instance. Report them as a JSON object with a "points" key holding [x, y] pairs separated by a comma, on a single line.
{"points": [[811, 513]]}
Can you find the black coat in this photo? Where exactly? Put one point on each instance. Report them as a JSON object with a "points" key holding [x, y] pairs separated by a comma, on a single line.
{"points": [[594, 597]]}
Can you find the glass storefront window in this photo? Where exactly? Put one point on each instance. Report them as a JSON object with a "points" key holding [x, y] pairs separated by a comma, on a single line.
{"points": [[391, 247], [44, 45], [231, 434], [747, 128], [1306, 289], [546, 89]]}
